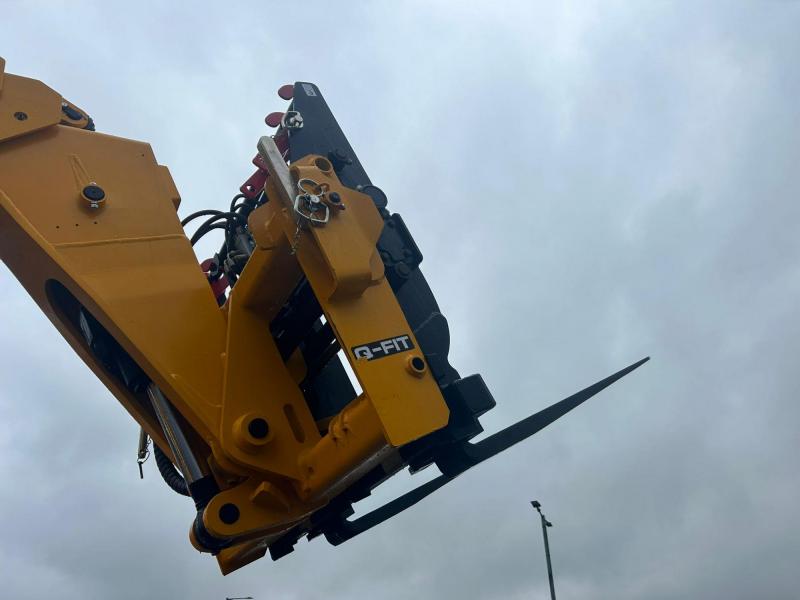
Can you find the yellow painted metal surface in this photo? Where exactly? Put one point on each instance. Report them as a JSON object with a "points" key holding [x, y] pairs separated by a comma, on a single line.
{"points": [[342, 265], [26, 105], [128, 262]]}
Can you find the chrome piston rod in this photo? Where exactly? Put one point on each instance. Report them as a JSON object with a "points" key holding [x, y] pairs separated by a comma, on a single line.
{"points": [[185, 458]]}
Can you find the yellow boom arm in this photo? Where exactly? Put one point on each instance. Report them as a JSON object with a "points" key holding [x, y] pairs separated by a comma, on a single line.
{"points": [[242, 389]]}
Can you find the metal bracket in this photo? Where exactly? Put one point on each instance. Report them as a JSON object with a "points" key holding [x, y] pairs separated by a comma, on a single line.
{"points": [[292, 119], [310, 201]]}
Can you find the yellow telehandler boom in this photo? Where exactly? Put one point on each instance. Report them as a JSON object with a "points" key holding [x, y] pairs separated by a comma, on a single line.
{"points": [[237, 368]]}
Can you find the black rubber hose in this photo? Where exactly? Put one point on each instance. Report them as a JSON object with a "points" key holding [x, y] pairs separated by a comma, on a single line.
{"points": [[199, 213], [236, 198], [169, 473], [211, 223], [201, 232]]}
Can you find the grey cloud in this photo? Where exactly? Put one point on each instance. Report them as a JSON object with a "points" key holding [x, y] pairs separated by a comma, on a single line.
{"points": [[589, 183]]}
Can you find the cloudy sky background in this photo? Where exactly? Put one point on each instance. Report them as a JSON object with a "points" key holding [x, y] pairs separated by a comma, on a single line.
{"points": [[589, 183]]}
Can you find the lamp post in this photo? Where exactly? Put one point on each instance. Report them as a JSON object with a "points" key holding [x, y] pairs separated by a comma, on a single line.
{"points": [[545, 525]]}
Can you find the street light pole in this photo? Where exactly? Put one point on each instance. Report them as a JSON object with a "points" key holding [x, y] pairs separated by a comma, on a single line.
{"points": [[545, 525]]}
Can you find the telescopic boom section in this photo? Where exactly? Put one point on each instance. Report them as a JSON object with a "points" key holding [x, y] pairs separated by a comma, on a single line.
{"points": [[239, 369]]}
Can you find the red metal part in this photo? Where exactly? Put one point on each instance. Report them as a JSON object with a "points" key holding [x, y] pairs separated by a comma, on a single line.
{"points": [[274, 119], [254, 185], [218, 286], [259, 162], [282, 141], [286, 91]]}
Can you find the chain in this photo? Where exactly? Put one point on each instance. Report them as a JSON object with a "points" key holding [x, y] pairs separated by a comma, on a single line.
{"points": [[296, 239]]}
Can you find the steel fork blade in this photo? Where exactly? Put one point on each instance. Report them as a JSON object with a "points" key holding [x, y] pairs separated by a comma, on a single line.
{"points": [[468, 455]]}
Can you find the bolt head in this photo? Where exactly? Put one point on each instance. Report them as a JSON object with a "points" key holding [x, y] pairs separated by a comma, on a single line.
{"points": [[403, 270], [93, 193]]}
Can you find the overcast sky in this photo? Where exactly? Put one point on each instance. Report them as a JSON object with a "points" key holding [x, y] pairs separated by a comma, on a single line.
{"points": [[589, 184]]}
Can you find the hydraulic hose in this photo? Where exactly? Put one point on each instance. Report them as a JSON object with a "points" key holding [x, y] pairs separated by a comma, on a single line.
{"points": [[169, 473]]}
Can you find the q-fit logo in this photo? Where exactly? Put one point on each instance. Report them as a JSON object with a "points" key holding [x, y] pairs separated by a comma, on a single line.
{"points": [[382, 348]]}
